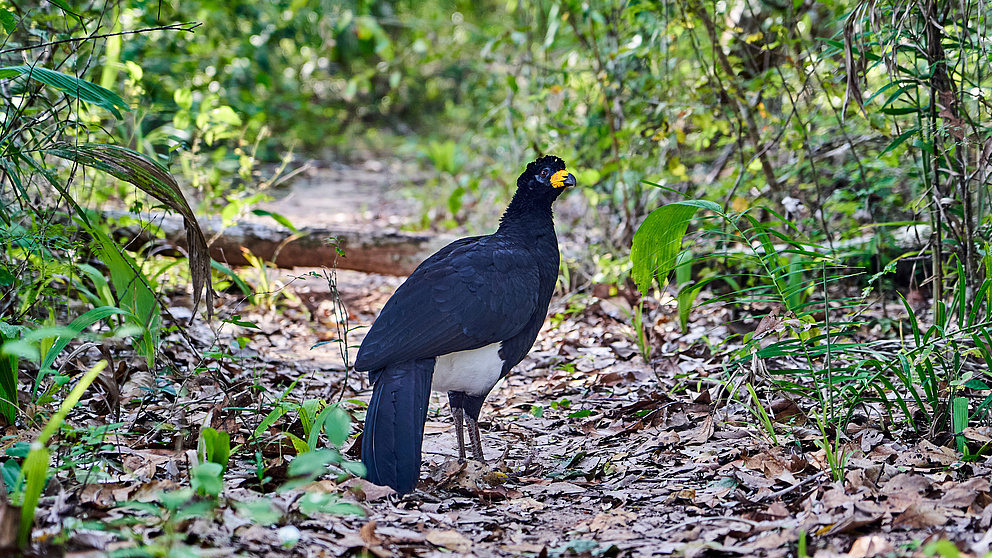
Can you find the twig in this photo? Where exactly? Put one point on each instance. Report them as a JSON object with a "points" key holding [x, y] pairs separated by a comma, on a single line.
{"points": [[189, 26], [789, 489], [694, 520]]}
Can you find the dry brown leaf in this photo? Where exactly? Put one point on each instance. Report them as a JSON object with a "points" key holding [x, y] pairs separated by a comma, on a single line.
{"points": [[612, 519], [867, 547], [906, 482], [836, 498], [770, 462], [980, 435], [852, 522], [399, 535], [961, 495], [105, 495], [560, 488], [770, 322], [436, 427], [920, 516], [139, 467], [10, 521], [786, 410], [365, 491], [702, 433], [149, 492], [774, 539], [452, 540], [367, 532], [869, 439], [684, 494], [937, 454]]}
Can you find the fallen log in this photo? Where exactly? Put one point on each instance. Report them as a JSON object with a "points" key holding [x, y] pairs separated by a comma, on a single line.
{"points": [[390, 252]]}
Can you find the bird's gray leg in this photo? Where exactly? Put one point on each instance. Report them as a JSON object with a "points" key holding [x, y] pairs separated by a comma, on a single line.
{"points": [[475, 439], [458, 414]]}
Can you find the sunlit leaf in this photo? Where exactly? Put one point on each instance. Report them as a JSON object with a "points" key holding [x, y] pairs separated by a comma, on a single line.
{"points": [[659, 238]]}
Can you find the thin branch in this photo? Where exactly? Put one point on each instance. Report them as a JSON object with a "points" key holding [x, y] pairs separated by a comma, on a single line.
{"points": [[788, 489], [189, 26]]}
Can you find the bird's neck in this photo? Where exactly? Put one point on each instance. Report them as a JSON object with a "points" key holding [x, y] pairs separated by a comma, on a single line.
{"points": [[527, 215]]}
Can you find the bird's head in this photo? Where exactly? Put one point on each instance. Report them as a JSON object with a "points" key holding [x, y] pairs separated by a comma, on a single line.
{"points": [[546, 176]]}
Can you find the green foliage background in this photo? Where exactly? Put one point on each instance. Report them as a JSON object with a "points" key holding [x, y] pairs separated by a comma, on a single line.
{"points": [[720, 101]]}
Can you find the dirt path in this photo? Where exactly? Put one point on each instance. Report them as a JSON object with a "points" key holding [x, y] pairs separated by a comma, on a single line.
{"points": [[365, 195]]}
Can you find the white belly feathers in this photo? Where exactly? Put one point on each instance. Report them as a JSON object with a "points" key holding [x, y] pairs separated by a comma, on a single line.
{"points": [[474, 372]]}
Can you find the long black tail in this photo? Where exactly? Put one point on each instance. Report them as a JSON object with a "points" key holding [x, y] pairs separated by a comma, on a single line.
{"points": [[394, 424]]}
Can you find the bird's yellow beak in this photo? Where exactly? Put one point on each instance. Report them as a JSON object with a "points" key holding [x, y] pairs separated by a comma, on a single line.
{"points": [[562, 179]]}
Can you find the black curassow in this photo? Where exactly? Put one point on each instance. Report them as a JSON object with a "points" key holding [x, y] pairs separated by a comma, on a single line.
{"points": [[459, 323]]}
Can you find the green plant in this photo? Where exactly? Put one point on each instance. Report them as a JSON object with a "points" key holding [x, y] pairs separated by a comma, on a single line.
{"points": [[927, 377], [266, 293], [687, 289], [168, 511], [207, 479], [8, 373], [134, 292], [45, 344], [641, 333], [801, 545], [943, 548], [342, 319], [316, 417], [52, 127], [779, 273], [758, 410], [260, 473], [213, 446], [34, 471], [82, 451]]}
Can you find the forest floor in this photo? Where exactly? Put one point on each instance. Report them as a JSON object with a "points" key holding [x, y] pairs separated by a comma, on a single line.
{"points": [[593, 448]]}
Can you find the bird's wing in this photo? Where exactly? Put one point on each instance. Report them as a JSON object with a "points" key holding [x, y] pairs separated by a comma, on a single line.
{"points": [[474, 292]]}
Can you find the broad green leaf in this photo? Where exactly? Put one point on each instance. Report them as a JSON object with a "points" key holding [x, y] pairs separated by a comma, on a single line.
{"points": [[34, 471], [7, 20], [8, 375], [134, 294], [900, 140], [240, 283], [658, 240], [207, 479], [959, 418], [214, 446], [308, 466], [71, 85], [335, 422], [279, 218], [299, 444], [269, 420]]}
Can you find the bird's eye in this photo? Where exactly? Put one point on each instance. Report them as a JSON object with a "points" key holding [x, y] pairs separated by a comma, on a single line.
{"points": [[544, 173]]}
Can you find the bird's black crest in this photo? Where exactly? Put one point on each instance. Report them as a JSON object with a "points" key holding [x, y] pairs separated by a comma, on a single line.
{"points": [[555, 163]]}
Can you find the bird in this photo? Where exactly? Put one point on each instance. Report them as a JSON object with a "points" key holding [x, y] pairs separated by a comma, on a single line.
{"points": [[459, 323]]}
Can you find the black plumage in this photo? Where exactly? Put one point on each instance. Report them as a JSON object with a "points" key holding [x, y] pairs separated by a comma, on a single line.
{"points": [[459, 323]]}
